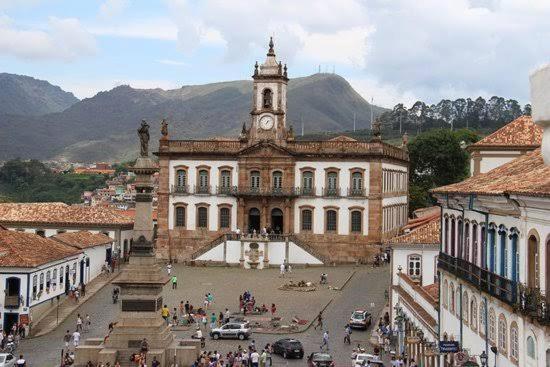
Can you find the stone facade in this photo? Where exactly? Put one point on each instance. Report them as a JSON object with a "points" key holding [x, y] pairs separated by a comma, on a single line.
{"points": [[342, 196]]}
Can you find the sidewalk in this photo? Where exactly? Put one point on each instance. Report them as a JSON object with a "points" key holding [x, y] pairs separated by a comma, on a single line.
{"points": [[66, 307]]}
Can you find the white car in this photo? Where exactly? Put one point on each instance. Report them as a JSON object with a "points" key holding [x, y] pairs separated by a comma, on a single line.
{"points": [[365, 359], [7, 360]]}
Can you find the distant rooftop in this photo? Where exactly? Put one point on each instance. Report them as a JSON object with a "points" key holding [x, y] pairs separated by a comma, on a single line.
{"points": [[423, 230], [522, 132], [83, 239]]}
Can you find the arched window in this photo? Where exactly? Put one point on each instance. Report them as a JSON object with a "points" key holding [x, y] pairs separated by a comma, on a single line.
{"points": [[34, 286], [503, 268], [41, 281], [332, 180], [202, 217], [452, 298], [414, 266], [180, 216], [225, 179], [48, 279], [446, 236], [473, 314], [61, 275], [445, 294], [225, 218], [492, 248], [255, 179], [475, 241], [267, 98], [307, 220], [466, 255], [203, 181], [357, 181], [514, 254], [459, 242], [533, 262], [482, 317], [453, 237], [502, 334], [331, 220], [277, 180], [181, 178], [457, 300], [492, 325], [483, 247], [465, 307], [356, 221], [514, 341], [531, 347], [307, 182], [54, 277]]}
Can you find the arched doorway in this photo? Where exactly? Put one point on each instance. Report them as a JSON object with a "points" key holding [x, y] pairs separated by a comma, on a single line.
{"points": [[13, 292], [277, 220], [254, 220], [533, 262]]}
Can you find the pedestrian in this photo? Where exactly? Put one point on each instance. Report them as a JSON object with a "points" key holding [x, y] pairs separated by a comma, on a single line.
{"points": [[227, 315], [67, 339], [206, 301], [212, 321], [76, 338], [83, 289], [21, 362], [282, 270], [155, 363], [273, 309], [268, 351], [169, 268], [263, 358], [76, 295], [186, 307], [174, 282], [175, 317], [325, 341], [204, 321], [78, 323], [347, 334], [210, 298], [165, 312], [319, 321], [88, 322], [254, 358]]}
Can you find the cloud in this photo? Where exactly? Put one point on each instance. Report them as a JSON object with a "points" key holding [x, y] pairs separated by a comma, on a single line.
{"points": [[64, 39], [112, 8], [152, 28]]}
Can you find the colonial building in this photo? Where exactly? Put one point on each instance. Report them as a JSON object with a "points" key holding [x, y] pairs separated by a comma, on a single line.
{"points": [[334, 199], [414, 292], [514, 139], [495, 255], [34, 270], [49, 219]]}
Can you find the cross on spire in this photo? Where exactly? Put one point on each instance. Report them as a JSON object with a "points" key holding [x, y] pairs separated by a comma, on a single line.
{"points": [[271, 51]]}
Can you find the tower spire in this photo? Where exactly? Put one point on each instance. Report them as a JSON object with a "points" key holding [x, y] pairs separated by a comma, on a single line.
{"points": [[271, 51]]}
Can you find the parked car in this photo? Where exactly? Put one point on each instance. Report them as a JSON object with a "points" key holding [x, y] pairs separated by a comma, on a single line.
{"points": [[238, 330], [288, 348], [360, 319], [320, 359], [364, 359], [7, 360]]}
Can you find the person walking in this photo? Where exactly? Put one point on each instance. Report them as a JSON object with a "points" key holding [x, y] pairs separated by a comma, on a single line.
{"points": [[67, 339], [254, 358], [78, 323], [21, 362], [76, 338], [319, 321], [186, 307], [263, 358], [273, 309], [174, 282], [325, 341], [169, 268], [87, 323], [282, 269], [347, 334], [212, 321], [165, 313]]}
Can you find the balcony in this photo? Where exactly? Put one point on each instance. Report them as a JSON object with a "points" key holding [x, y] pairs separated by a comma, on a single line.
{"points": [[225, 190], [306, 191], [180, 189], [533, 303], [202, 190], [357, 192], [484, 280], [12, 301], [264, 191], [331, 191]]}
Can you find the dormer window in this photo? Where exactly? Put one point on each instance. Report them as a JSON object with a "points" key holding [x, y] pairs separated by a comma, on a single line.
{"points": [[267, 98]]}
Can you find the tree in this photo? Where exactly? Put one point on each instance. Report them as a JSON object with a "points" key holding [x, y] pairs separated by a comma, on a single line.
{"points": [[437, 159]]}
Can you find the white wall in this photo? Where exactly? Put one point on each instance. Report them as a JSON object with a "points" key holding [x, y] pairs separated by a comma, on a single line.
{"points": [[489, 163], [428, 255], [344, 177], [213, 210], [192, 171]]}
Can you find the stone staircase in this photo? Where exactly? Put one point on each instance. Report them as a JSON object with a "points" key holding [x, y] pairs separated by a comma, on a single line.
{"points": [[298, 242], [215, 242]]}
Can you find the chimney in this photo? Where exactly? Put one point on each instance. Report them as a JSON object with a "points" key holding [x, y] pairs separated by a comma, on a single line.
{"points": [[540, 101]]}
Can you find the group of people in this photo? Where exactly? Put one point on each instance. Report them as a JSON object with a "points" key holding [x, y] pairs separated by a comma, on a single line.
{"points": [[77, 292], [247, 304], [264, 232], [381, 259], [186, 313], [10, 340], [252, 357]]}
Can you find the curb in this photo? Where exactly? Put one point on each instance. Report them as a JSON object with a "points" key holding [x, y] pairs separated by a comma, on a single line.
{"points": [[73, 311]]}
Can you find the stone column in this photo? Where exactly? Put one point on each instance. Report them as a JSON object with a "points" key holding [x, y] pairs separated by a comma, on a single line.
{"points": [[225, 250], [287, 249], [286, 219], [241, 260], [266, 254], [264, 215]]}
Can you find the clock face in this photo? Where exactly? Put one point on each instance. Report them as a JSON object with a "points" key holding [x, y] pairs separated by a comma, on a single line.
{"points": [[266, 122]]}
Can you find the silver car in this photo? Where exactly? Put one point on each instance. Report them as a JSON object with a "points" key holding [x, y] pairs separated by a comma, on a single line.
{"points": [[7, 360], [232, 330]]}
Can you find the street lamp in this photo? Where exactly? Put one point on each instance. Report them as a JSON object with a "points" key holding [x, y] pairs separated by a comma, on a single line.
{"points": [[399, 268], [483, 358]]}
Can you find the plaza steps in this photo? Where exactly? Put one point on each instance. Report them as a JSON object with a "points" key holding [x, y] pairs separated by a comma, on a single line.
{"points": [[203, 250]]}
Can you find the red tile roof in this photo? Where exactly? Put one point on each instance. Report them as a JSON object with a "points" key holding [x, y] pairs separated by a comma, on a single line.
{"points": [[28, 250], [525, 175], [83, 239], [522, 133], [59, 213], [425, 232], [433, 290]]}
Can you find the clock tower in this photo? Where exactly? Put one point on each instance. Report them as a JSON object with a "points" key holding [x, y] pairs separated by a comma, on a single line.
{"points": [[268, 115]]}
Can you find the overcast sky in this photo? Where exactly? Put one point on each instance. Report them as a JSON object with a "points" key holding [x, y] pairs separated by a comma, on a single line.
{"points": [[390, 50]]}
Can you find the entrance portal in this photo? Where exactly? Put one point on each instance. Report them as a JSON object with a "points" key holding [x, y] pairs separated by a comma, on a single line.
{"points": [[277, 220], [254, 220]]}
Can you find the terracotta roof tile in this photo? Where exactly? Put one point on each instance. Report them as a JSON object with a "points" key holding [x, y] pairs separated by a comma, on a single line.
{"points": [[83, 239], [522, 132], [27, 250], [526, 175], [427, 233], [433, 290], [60, 213]]}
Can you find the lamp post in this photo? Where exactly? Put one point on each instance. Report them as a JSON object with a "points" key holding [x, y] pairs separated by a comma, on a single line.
{"points": [[483, 358]]}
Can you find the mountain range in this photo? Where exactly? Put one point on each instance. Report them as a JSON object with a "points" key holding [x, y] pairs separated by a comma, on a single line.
{"points": [[39, 120]]}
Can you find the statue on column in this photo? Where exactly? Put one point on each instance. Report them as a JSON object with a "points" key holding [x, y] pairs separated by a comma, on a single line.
{"points": [[143, 133], [164, 128]]}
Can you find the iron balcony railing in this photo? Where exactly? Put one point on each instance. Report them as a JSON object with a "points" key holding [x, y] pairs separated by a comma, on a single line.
{"points": [[12, 301], [180, 189], [225, 190], [264, 191], [499, 287], [357, 192], [306, 191], [534, 303], [331, 191], [202, 190]]}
